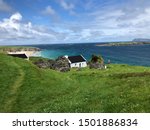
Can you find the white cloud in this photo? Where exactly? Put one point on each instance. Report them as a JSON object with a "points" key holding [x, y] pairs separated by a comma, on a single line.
{"points": [[4, 6], [16, 17], [94, 25], [119, 24], [49, 11], [66, 6], [12, 23], [14, 28]]}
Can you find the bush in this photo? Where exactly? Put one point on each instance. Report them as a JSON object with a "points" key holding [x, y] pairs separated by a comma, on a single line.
{"points": [[97, 59]]}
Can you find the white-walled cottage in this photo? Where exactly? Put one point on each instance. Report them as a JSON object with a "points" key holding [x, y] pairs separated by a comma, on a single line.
{"points": [[77, 61]]}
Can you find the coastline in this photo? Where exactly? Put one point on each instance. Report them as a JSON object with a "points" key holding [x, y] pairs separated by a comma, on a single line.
{"points": [[132, 55], [36, 54], [29, 51], [124, 44]]}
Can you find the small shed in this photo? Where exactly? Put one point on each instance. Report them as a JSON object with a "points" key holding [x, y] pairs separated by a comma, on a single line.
{"points": [[77, 61], [23, 56]]}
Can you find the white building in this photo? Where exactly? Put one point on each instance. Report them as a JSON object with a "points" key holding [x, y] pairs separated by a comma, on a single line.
{"points": [[19, 55], [77, 61]]}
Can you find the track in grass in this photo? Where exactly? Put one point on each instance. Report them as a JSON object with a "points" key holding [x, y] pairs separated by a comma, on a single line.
{"points": [[8, 106]]}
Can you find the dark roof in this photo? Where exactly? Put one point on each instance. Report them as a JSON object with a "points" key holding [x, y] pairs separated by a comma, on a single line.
{"points": [[19, 55], [75, 59]]}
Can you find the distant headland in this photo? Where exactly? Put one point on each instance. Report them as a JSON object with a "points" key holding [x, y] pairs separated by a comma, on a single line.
{"points": [[138, 41]]}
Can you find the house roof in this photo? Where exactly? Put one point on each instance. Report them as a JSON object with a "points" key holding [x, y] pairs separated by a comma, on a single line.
{"points": [[75, 59], [19, 55]]}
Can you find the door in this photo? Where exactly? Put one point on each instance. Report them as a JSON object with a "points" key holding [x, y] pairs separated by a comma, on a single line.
{"points": [[79, 65]]}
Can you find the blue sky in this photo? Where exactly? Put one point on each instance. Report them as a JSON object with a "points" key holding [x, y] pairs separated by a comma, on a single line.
{"points": [[73, 21]]}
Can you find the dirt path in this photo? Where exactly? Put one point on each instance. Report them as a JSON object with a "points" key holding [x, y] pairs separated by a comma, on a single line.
{"points": [[13, 89]]}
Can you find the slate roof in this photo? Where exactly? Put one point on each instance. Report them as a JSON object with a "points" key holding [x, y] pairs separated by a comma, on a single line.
{"points": [[75, 59], [19, 55]]}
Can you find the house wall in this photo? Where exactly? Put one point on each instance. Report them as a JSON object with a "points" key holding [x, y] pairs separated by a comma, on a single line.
{"points": [[27, 58], [79, 64]]}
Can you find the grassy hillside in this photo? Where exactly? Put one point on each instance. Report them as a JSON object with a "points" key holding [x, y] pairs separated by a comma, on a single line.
{"points": [[26, 88]]}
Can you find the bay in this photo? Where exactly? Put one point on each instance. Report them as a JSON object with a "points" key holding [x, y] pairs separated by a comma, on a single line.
{"points": [[132, 55]]}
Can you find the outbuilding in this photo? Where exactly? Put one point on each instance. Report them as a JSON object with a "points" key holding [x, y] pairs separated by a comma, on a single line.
{"points": [[19, 55], [77, 61]]}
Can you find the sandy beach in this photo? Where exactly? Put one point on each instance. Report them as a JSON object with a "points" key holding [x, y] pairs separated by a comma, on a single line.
{"points": [[28, 53]]}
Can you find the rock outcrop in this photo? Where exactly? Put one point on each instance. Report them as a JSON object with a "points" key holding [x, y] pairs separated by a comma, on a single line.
{"points": [[60, 64], [45, 64], [96, 62]]}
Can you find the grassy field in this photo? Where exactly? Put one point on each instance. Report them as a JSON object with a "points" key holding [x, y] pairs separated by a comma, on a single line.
{"points": [[26, 88]]}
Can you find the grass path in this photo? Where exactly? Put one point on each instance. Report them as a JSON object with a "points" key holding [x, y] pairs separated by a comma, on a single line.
{"points": [[13, 89]]}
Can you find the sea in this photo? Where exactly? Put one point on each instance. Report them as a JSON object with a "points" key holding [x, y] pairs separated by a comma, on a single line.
{"points": [[132, 55]]}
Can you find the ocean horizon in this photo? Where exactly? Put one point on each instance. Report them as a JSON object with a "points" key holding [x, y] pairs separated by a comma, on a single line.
{"points": [[132, 55]]}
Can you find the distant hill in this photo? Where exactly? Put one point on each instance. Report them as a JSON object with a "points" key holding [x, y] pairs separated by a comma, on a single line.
{"points": [[141, 40]]}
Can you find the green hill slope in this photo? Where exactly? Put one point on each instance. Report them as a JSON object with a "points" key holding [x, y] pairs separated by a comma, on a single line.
{"points": [[26, 88]]}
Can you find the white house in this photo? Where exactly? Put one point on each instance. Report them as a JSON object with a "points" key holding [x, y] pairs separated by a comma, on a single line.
{"points": [[77, 61]]}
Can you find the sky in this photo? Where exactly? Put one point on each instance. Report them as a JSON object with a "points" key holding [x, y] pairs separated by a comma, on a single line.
{"points": [[73, 21]]}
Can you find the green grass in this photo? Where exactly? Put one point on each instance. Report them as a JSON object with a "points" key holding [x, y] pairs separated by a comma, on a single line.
{"points": [[26, 88], [35, 59]]}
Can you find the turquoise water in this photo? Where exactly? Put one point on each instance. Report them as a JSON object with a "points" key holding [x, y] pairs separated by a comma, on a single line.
{"points": [[133, 55]]}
